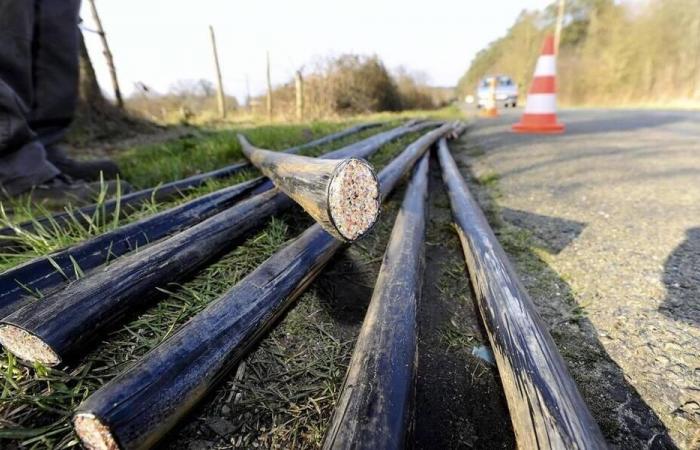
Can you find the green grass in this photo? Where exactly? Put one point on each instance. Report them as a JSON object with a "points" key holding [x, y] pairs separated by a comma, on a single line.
{"points": [[42, 399], [455, 337], [152, 165], [284, 395]]}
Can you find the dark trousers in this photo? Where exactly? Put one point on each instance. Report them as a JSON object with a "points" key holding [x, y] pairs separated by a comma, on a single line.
{"points": [[39, 44]]}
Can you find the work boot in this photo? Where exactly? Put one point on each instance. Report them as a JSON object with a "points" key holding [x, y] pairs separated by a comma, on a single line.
{"points": [[81, 170], [63, 190]]}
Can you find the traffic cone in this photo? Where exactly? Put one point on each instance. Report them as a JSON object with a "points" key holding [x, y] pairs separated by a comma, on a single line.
{"points": [[541, 107], [490, 109]]}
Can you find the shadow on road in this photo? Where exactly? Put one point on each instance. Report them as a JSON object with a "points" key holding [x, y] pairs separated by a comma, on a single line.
{"points": [[682, 280], [554, 232]]}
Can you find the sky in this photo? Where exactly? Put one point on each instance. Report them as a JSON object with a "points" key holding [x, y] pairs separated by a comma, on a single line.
{"points": [[158, 42]]}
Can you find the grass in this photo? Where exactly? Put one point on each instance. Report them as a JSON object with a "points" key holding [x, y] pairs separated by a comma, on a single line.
{"points": [[489, 180], [282, 396], [142, 167], [46, 397], [149, 165], [455, 337]]}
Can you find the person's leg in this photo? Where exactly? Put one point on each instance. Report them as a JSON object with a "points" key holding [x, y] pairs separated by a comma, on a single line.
{"points": [[23, 161], [56, 76], [55, 68], [24, 165]]}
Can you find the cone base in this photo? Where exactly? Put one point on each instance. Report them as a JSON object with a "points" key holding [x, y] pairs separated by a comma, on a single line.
{"points": [[554, 128], [538, 123]]}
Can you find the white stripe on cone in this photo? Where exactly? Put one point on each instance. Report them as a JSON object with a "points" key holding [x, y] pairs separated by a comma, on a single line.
{"points": [[546, 66], [541, 104]]}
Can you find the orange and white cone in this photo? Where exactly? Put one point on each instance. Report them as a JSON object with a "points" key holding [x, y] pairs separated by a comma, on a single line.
{"points": [[490, 109], [541, 107]]}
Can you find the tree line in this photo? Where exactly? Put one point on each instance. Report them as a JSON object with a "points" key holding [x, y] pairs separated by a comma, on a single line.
{"points": [[611, 52]]}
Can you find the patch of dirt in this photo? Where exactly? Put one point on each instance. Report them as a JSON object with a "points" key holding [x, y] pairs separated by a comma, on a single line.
{"points": [[459, 400]]}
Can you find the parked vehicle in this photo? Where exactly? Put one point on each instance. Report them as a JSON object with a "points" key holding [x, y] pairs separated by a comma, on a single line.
{"points": [[506, 91]]}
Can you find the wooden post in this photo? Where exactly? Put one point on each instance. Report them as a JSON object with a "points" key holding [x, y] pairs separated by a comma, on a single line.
{"points": [[62, 323], [220, 83], [546, 408], [247, 92], [374, 407], [342, 196], [108, 54], [299, 84], [558, 27], [174, 377], [269, 90]]}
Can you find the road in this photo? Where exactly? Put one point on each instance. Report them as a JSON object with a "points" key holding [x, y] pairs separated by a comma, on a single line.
{"points": [[613, 206]]}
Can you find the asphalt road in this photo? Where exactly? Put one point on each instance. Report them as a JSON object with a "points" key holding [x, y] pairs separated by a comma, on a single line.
{"points": [[614, 204]]}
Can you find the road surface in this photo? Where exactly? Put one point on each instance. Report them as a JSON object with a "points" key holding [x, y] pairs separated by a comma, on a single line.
{"points": [[613, 206]]}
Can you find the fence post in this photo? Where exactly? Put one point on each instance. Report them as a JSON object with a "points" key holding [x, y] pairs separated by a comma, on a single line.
{"points": [[220, 83], [269, 90], [299, 84], [247, 92]]}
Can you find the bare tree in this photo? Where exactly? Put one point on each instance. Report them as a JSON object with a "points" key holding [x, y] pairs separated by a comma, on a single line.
{"points": [[108, 55]]}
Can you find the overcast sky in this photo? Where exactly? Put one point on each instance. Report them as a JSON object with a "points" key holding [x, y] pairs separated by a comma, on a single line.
{"points": [[160, 41]]}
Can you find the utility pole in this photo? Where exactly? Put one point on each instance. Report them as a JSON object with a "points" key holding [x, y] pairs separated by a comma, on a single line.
{"points": [[269, 90], [108, 54], [220, 93], [557, 29], [299, 84]]}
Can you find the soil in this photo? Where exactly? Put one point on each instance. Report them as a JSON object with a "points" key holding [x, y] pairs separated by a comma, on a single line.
{"points": [[459, 400]]}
